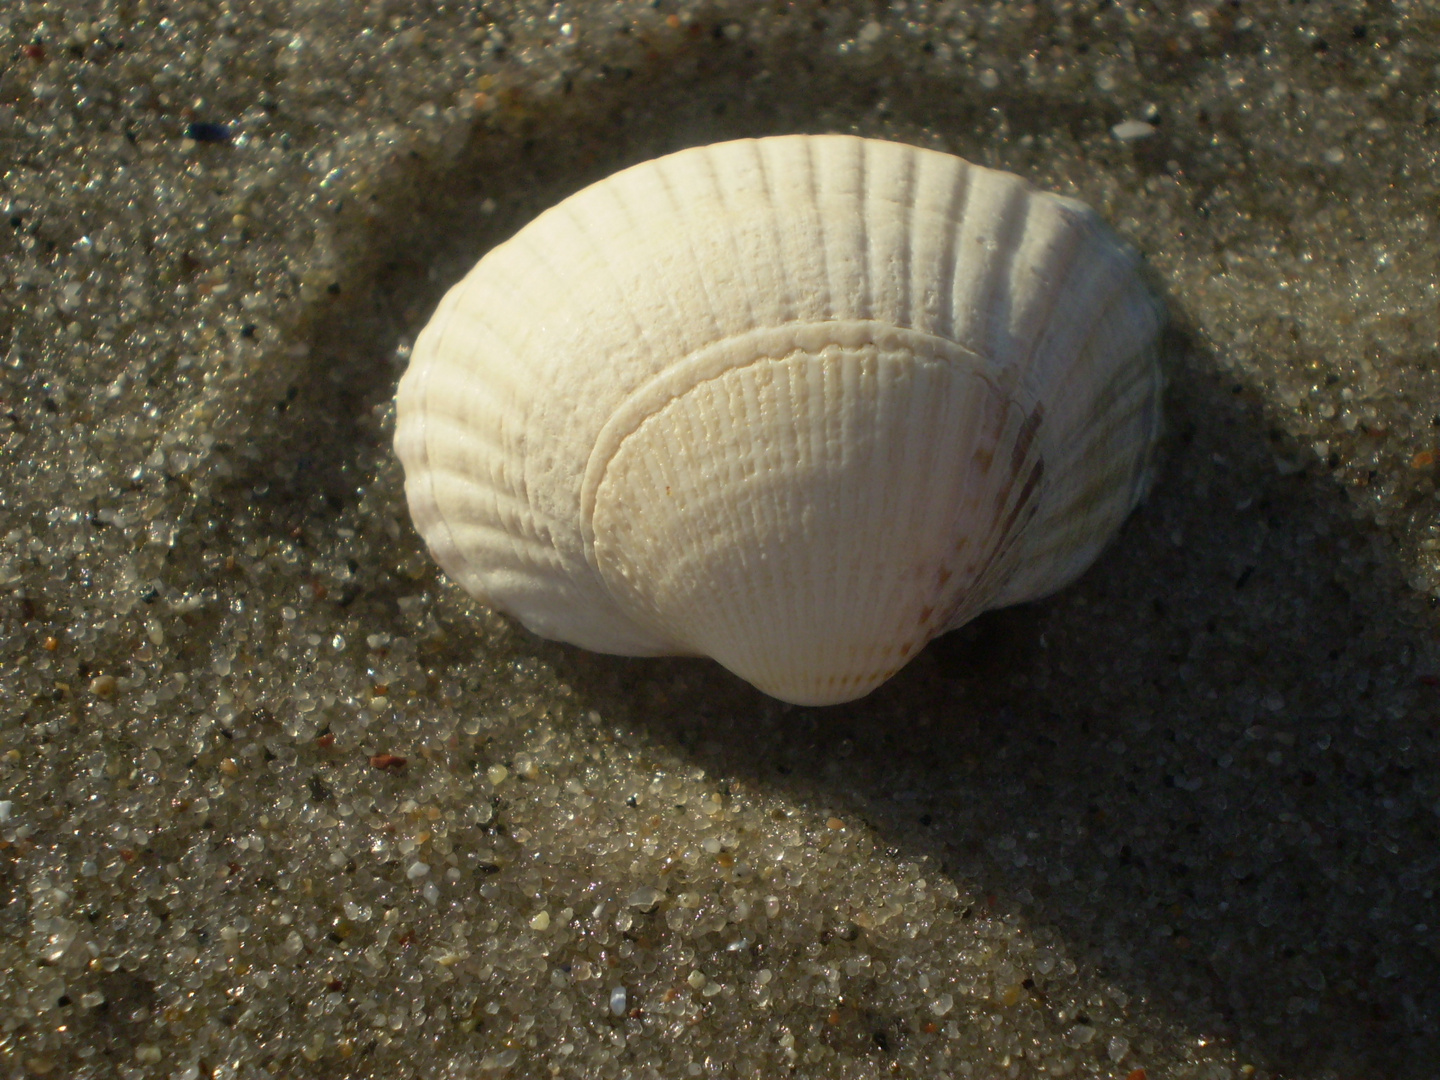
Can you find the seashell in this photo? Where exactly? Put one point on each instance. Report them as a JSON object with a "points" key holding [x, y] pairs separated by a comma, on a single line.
{"points": [[798, 404]]}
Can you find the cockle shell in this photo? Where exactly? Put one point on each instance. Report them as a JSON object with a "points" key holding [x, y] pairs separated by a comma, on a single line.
{"points": [[798, 404]]}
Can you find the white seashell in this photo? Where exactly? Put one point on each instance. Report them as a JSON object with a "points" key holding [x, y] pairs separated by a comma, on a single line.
{"points": [[798, 404]]}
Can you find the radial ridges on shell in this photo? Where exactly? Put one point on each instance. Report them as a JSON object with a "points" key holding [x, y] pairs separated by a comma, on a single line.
{"points": [[798, 404]]}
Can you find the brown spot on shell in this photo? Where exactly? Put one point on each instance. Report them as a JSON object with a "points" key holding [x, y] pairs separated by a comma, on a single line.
{"points": [[1031, 483], [1025, 437]]}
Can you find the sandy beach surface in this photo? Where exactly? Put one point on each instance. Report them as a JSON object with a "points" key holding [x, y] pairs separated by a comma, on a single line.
{"points": [[278, 800]]}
